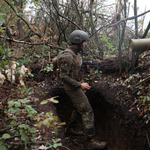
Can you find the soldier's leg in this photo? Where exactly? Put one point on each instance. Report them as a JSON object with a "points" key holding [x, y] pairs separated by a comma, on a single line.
{"points": [[84, 108], [75, 118]]}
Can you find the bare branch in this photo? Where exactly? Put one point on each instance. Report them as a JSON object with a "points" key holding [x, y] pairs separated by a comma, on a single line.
{"points": [[130, 18], [28, 43], [21, 17], [65, 17], [18, 15], [125, 19]]}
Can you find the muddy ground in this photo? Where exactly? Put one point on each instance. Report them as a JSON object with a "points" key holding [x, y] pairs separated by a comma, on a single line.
{"points": [[121, 116]]}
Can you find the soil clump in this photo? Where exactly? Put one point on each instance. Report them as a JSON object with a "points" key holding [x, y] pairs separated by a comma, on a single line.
{"points": [[121, 115]]}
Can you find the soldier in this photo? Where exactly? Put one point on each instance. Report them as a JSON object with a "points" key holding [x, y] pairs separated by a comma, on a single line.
{"points": [[12, 31], [69, 63]]}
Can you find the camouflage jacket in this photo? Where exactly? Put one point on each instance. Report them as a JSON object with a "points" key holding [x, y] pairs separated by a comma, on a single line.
{"points": [[69, 67]]}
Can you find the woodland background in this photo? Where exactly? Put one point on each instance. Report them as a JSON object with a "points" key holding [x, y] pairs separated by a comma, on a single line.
{"points": [[43, 31]]}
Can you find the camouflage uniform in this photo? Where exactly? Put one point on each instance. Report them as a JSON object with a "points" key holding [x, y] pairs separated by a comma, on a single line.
{"points": [[69, 66], [12, 30]]}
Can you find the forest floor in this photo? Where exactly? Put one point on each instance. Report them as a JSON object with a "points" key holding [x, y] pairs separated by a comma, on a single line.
{"points": [[122, 111]]}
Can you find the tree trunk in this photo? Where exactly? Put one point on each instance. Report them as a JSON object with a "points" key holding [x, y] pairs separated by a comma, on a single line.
{"points": [[93, 28], [19, 5], [136, 23], [136, 31], [119, 35]]}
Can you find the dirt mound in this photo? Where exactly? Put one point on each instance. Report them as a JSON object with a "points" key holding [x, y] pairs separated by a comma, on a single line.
{"points": [[116, 108], [121, 114]]}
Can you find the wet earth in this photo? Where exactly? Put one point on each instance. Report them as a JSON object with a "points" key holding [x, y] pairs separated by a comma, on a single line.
{"points": [[121, 115]]}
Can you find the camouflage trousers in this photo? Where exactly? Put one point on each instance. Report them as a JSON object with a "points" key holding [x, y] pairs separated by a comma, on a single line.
{"points": [[82, 109]]}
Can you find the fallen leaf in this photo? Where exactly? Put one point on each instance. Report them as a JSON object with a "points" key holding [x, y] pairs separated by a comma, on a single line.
{"points": [[43, 147]]}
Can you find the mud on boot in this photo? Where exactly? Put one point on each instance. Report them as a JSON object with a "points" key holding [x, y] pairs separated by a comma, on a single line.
{"points": [[72, 131], [96, 145]]}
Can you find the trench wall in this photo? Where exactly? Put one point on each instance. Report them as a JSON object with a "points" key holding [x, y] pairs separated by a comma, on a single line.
{"points": [[110, 121]]}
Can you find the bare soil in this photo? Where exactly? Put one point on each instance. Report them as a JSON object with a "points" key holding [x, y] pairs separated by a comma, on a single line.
{"points": [[119, 116]]}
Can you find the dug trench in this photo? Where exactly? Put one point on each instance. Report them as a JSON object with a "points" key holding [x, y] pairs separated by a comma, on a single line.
{"points": [[113, 123], [116, 115]]}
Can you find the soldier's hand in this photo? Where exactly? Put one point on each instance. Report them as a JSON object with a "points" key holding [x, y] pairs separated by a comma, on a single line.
{"points": [[85, 86]]}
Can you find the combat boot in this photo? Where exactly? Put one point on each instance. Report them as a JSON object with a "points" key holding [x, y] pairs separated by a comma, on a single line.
{"points": [[71, 131], [96, 145]]}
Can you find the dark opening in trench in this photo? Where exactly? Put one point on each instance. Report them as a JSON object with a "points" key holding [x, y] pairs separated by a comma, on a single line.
{"points": [[109, 118]]}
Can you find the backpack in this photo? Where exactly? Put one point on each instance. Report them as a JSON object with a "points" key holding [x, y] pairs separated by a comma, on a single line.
{"points": [[55, 62]]}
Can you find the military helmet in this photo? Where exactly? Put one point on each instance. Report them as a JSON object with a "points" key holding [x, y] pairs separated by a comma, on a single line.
{"points": [[78, 36], [12, 25]]}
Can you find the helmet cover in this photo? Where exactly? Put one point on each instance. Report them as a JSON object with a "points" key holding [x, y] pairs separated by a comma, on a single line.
{"points": [[78, 36]]}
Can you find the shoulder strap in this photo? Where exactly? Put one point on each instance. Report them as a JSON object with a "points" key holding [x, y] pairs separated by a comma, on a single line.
{"points": [[70, 51], [62, 55]]}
